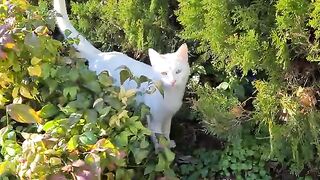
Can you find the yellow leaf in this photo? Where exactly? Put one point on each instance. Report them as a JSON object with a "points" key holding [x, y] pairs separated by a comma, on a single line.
{"points": [[15, 92], [130, 93], [23, 4], [35, 60], [5, 167], [42, 30], [25, 92], [9, 45], [34, 70], [23, 113]]}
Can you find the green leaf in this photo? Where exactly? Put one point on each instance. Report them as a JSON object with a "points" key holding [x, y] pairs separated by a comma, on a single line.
{"points": [[159, 86], [25, 92], [124, 75], [161, 165], [6, 167], [139, 154], [54, 161], [52, 84], [223, 86], [73, 143], [73, 75], [45, 69], [72, 91], [48, 111], [105, 79], [91, 115], [35, 61], [149, 168], [122, 138], [88, 138], [23, 113], [169, 154], [114, 102], [144, 144], [93, 86]]}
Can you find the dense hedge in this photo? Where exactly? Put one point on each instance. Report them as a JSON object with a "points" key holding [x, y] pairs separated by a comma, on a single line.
{"points": [[254, 85]]}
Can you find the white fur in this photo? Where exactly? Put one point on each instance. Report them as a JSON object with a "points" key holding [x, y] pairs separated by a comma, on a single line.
{"points": [[171, 69]]}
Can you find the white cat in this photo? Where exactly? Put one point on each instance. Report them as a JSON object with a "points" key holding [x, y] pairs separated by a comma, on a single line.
{"points": [[171, 69]]}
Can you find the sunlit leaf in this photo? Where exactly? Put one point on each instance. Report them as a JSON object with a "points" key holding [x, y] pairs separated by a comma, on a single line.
{"points": [[122, 138], [25, 92], [35, 60], [125, 74], [23, 113], [105, 79], [55, 161], [104, 144], [42, 30], [34, 70], [6, 167], [88, 138], [73, 143], [72, 91], [48, 111], [159, 86]]}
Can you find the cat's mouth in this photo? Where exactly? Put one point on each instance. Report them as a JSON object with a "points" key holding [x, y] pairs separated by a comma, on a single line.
{"points": [[173, 83]]}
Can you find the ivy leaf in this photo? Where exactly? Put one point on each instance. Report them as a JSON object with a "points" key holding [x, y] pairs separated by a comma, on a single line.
{"points": [[122, 139], [93, 86], [6, 167], [88, 138], [35, 61], [149, 168], [73, 143], [72, 91], [139, 154], [45, 70], [105, 79], [48, 111], [159, 86], [25, 92], [223, 86], [169, 154], [125, 74], [161, 165], [23, 113], [34, 70]]}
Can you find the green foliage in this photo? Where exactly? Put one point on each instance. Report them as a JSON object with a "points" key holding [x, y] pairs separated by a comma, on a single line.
{"points": [[246, 162], [133, 24], [272, 44], [204, 164], [60, 120]]}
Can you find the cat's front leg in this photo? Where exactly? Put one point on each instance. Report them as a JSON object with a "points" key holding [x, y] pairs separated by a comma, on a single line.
{"points": [[166, 128]]}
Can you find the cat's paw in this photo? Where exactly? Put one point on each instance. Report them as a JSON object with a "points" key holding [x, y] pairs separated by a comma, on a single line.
{"points": [[172, 144]]}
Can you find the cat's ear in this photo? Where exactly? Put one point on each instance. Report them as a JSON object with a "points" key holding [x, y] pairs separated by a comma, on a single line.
{"points": [[154, 57], [182, 52]]}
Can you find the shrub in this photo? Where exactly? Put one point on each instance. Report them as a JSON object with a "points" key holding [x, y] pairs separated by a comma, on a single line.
{"points": [[60, 120], [128, 25], [270, 50]]}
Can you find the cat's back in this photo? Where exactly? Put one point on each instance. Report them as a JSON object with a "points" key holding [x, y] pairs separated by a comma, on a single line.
{"points": [[114, 62]]}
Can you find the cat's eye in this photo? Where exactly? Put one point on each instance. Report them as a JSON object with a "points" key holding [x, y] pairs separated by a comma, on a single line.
{"points": [[178, 71], [164, 73]]}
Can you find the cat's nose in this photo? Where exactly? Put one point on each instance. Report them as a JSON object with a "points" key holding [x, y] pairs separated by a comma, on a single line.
{"points": [[173, 82]]}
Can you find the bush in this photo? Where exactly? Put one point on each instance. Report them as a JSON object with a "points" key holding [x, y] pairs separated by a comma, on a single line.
{"points": [[60, 120], [270, 50], [127, 25]]}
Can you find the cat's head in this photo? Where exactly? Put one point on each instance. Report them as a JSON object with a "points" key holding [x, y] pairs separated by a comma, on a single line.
{"points": [[173, 68]]}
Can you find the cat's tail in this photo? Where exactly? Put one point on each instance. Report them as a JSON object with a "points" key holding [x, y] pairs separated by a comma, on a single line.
{"points": [[85, 48]]}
